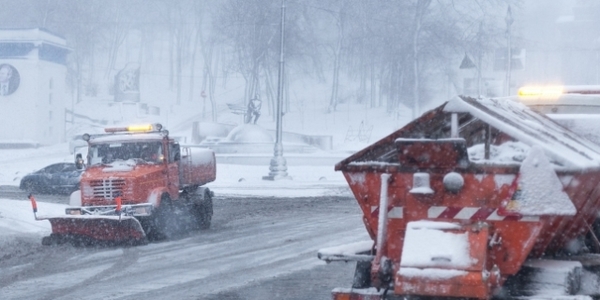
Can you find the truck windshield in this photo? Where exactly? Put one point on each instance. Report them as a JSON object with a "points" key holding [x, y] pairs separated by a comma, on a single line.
{"points": [[139, 152]]}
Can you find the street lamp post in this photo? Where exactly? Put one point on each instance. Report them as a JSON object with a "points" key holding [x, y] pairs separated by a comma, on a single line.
{"points": [[479, 58], [509, 20], [203, 95], [278, 168], [466, 63]]}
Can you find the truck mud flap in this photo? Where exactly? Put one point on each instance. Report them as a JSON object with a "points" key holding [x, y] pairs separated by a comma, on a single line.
{"points": [[100, 229]]}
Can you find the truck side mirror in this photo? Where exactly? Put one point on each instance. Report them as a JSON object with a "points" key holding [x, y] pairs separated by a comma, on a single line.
{"points": [[79, 161]]}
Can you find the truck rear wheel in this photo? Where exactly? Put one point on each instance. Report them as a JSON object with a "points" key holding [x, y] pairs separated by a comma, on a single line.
{"points": [[203, 211]]}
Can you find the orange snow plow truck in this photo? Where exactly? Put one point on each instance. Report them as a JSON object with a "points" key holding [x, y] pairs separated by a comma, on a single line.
{"points": [[478, 198], [138, 184]]}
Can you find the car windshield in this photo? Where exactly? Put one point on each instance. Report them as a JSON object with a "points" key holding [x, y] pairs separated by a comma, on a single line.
{"points": [[140, 152]]}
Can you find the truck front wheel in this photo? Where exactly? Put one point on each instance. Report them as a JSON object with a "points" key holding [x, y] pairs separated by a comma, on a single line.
{"points": [[161, 223]]}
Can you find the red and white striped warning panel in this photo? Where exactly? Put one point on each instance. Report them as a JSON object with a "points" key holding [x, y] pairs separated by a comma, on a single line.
{"points": [[394, 212], [474, 213], [459, 213]]}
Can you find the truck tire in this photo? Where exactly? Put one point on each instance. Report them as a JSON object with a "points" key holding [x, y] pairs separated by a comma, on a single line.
{"points": [[203, 211], [161, 224], [362, 275]]}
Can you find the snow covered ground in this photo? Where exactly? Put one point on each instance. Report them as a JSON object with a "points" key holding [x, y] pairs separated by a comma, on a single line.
{"points": [[289, 238], [232, 181]]}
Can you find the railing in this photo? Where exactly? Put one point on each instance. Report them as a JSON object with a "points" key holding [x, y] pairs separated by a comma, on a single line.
{"points": [[362, 134], [237, 109]]}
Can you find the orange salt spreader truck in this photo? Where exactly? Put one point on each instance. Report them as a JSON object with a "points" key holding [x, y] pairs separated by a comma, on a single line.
{"points": [[138, 183], [480, 199]]}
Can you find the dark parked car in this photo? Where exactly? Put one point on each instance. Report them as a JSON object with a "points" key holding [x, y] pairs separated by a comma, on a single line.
{"points": [[55, 178]]}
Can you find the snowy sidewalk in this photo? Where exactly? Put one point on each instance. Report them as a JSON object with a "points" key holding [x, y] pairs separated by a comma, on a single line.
{"points": [[244, 178], [306, 181], [17, 218]]}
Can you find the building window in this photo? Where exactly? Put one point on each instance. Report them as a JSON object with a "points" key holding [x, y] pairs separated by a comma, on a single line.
{"points": [[50, 83], [50, 98], [50, 130], [50, 115]]}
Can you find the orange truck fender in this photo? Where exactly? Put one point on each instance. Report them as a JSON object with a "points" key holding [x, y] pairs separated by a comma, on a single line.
{"points": [[155, 195], [75, 198]]}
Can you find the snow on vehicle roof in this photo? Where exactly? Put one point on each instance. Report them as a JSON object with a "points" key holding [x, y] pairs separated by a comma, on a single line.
{"points": [[532, 128], [540, 190], [126, 137], [525, 128], [585, 125]]}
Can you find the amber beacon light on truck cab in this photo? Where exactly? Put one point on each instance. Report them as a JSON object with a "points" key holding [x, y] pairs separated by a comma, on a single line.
{"points": [[555, 99]]}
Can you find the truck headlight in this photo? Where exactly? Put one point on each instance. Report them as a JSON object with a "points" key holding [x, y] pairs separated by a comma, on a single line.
{"points": [[142, 210], [73, 211]]}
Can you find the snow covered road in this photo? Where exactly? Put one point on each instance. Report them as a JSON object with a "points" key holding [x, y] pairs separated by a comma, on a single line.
{"points": [[252, 240], [264, 237]]}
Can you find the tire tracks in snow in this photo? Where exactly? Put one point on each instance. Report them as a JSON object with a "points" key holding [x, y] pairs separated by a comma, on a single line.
{"points": [[251, 240]]}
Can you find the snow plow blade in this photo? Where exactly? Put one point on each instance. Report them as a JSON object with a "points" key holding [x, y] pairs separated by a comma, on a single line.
{"points": [[96, 229]]}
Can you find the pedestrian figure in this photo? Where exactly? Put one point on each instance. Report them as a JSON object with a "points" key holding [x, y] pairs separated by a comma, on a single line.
{"points": [[253, 109]]}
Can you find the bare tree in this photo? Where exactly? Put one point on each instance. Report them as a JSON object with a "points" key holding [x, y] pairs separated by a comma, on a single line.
{"points": [[249, 29], [398, 50], [205, 38]]}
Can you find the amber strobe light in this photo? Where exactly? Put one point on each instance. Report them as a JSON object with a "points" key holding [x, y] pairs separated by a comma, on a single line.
{"points": [[544, 92], [135, 128]]}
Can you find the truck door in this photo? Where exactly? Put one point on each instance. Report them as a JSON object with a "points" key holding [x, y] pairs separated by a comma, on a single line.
{"points": [[173, 157]]}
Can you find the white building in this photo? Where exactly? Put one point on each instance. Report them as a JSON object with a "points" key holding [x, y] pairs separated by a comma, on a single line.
{"points": [[32, 87]]}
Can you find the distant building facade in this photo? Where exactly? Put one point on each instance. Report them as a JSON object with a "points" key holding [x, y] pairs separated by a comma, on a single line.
{"points": [[32, 86], [564, 51], [580, 44]]}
